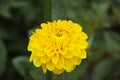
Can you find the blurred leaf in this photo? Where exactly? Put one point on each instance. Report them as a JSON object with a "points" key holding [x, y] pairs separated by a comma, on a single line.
{"points": [[37, 74], [58, 8], [5, 11], [94, 15], [3, 57], [32, 12], [102, 69], [21, 63], [87, 27], [29, 13], [26, 69], [90, 41], [18, 3], [115, 72], [97, 50], [6, 6], [112, 41], [100, 14], [3, 33]]}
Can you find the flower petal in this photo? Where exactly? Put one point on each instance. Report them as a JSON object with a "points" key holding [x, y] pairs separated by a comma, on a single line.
{"points": [[68, 65], [69, 54], [50, 52], [76, 60], [37, 61], [83, 54], [39, 53], [83, 35], [31, 58], [44, 68], [50, 66], [58, 71], [45, 59], [55, 58], [83, 44], [60, 64]]}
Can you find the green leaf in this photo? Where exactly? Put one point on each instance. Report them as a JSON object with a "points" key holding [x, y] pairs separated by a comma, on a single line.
{"points": [[100, 14], [115, 72], [97, 50], [112, 41], [3, 57], [21, 63], [27, 70], [4, 11], [90, 41], [102, 69]]}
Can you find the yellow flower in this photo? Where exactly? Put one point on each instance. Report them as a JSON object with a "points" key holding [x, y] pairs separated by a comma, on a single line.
{"points": [[59, 46]]}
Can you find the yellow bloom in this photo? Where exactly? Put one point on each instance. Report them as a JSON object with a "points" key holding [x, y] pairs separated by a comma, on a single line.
{"points": [[59, 46]]}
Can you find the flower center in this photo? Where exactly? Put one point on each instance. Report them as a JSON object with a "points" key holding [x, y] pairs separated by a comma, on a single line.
{"points": [[59, 35]]}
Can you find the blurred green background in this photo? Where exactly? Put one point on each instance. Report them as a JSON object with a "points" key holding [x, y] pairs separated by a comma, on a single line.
{"points": [[100, 19]]}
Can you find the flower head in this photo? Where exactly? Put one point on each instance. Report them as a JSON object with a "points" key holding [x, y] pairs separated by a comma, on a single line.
{"points": [[59, 46]]}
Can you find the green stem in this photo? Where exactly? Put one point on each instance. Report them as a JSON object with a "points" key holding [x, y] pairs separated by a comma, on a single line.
{"points": [[47, 17], [47, 10]]}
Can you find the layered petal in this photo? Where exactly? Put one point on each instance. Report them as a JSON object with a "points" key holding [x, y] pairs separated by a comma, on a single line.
{"points": [[58, 46]]}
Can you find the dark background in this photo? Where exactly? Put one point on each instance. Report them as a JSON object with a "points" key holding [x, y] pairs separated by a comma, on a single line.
{"points": [[100, 19]]}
